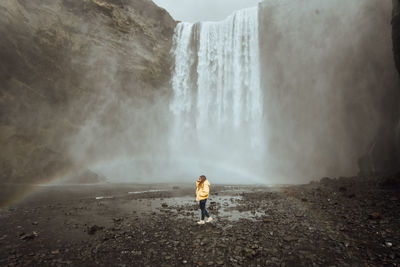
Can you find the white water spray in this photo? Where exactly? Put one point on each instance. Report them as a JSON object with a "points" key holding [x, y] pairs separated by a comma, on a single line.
{"points": [[217, 103]]}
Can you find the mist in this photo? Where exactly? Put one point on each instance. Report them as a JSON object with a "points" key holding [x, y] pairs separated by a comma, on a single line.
{"points": [[328, 81], [205, 10], [123, 136], [331, 88]]}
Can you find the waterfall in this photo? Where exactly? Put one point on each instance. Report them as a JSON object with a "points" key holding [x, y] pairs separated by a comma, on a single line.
{"points": [[228, 71], [217, 104]]}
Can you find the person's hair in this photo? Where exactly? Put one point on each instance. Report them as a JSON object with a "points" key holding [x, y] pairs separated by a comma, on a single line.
{"points": [[202, 179]]}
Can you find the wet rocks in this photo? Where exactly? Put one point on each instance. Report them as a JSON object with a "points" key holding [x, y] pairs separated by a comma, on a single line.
{"points": [[118, 220], [93, 229], [29, 236], [392, 182], [374, 216], [55, 252], [266, 220], [283, 231]]}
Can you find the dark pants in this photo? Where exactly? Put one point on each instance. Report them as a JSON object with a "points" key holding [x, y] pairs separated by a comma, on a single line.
{"points": [[204, 212]]}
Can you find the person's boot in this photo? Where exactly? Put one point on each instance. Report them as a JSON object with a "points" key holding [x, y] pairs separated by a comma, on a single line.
{"points": [[209, 219], [201, 222]]}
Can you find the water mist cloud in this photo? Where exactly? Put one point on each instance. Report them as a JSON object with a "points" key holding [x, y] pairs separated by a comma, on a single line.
{"points": [[329, 81]]}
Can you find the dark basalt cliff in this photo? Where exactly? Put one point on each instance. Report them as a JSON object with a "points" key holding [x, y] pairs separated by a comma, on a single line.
{"points": [[62, 61]]}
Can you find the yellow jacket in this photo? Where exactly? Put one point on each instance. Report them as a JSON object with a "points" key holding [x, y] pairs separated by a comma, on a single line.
{"points": [[202, 191]]}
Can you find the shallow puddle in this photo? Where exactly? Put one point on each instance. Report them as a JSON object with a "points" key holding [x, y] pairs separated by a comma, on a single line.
{"points": [[219, 207]]}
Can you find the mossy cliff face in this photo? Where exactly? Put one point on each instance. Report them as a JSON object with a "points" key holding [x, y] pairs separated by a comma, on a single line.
{"points": [[62, 62]]}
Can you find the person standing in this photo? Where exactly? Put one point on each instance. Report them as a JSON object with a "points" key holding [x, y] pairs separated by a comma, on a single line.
{"points": [[202, 193]]}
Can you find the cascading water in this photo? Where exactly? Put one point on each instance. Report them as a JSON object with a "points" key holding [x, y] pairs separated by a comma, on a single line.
{"points": [[217, 104]]}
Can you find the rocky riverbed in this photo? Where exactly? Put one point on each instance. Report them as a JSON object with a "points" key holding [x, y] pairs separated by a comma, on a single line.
{"points": [[335, 222]]}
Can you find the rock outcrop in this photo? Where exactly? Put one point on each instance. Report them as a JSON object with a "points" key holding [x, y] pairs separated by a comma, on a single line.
{"points": [[64, 62]]}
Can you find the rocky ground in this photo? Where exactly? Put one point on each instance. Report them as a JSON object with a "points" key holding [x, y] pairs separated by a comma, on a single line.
{"points": [[335, 222]]}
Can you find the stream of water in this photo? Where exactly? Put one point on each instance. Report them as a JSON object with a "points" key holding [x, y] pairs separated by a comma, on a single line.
{"points": [[217, 104]]}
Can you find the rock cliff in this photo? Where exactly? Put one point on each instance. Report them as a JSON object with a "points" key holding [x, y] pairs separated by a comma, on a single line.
{"points": [[68, 66]]}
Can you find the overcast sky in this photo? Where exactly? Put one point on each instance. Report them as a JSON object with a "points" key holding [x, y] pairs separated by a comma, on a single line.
{"points": [[203, 10]]}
